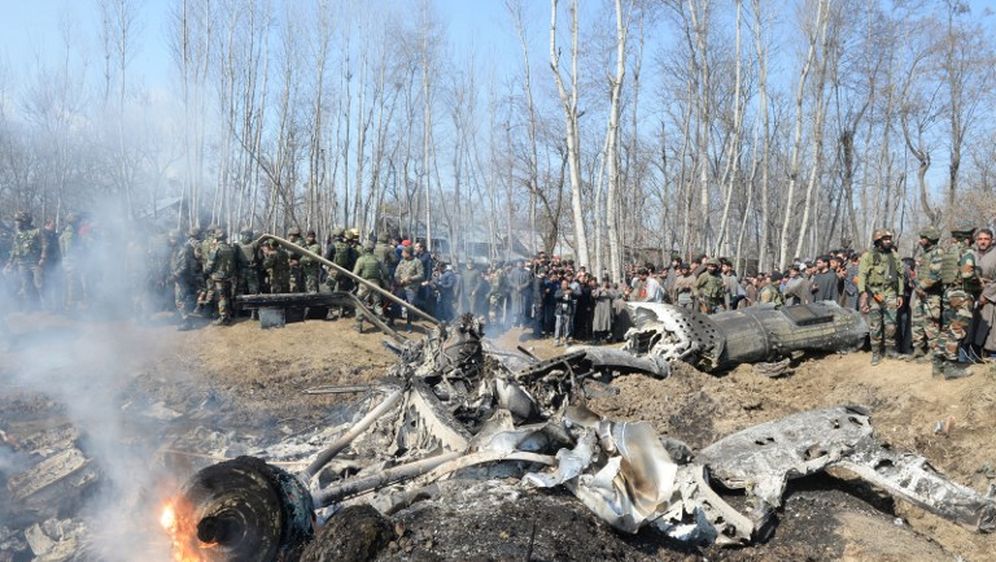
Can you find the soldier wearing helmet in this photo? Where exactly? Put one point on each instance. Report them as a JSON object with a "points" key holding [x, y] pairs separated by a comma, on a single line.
{"points": [[311, 268], [371, 270], [276, 264], [925, 310], [71, 249], [343, 254], [296, 273], [247, 258], [385, 252], [961, 286], [185, 274], [221, 273], [27, 257], [709, 287], [880, 286]]}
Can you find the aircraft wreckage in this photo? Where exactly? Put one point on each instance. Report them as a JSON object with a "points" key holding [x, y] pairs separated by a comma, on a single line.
{"points": [[454, 408]]}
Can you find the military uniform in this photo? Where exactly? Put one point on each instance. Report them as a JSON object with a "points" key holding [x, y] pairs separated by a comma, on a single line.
{"points": [[26, 256], [709, 289], [295, 272], [385, 253], [880, 280], [183, 271], [344, 256], [247, 264], [925, 310], [221, 270], [961, 285], [371, 270], [311, 268], [276, 263]]}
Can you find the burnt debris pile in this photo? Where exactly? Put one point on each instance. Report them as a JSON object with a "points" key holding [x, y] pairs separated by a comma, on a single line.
{"points": [[458, 426]]}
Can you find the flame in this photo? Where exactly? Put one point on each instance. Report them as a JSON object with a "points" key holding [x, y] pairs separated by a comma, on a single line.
{"points": [[177, 520]]}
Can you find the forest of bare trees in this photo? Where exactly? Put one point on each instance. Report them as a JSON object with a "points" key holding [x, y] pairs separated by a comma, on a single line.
{"points": [[760, 130]]}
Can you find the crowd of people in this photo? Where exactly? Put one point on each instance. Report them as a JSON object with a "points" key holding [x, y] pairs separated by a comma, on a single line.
{"points": [[934, 306]]}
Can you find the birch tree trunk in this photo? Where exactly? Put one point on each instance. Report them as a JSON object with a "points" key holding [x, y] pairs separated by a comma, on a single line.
{"points": [[569, 102]]}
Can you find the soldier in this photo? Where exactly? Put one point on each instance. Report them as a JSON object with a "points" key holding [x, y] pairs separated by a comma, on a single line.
{"points": [[71, 248], [961, 286], [247, 263], [709, 288], [276, 263], [183, 272], [880, 286], [925, 310], [296, 273], [27, 256], [384, 251], [409, 276], [770, 292], [343, 255], [311, 267], [205, 290], [221, 270], [371, 270]]}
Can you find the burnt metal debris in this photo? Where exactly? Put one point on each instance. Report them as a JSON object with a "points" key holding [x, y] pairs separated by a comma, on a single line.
{"points": [[455, 408], [756, 334]]}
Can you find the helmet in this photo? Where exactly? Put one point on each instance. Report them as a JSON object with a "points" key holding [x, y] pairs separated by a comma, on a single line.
{"points": [[369, 246], [965, 228], [311, 234], [72, 218], [22, 216], [337, 232], [272, 243], [712, 261], [194, 231], [881, 233], [246, 230], [220, 234], [294, 231], [930, 233], [352, 234]]}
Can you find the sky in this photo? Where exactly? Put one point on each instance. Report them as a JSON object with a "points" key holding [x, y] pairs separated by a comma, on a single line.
{"points": [[33, 31]]}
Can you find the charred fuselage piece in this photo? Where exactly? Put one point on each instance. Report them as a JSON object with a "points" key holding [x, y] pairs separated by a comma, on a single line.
{"points": [[757, 334]]}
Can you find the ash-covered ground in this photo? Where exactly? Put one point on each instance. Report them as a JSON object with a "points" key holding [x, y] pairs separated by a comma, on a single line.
{"points": [[147, 406]]}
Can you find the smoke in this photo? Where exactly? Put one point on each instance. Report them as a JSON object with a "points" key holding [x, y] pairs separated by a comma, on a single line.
{"points": [[89, 366]]}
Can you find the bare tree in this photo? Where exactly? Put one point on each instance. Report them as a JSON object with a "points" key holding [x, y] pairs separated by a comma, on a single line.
{"points": [[569, 103]]}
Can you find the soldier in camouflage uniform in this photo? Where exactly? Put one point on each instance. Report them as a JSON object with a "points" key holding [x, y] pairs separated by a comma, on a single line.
{"points": [[880, 286], [296, 273], [71, 247], [221, 270], [205, 300], [925, 310], [770, 292], [384, 252], [709, 288], [183, 271], [409, 276], [247, 263], [276, 263], [311, 268], [961, 286], [371, 270], [342, 254], [27, 255]]}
